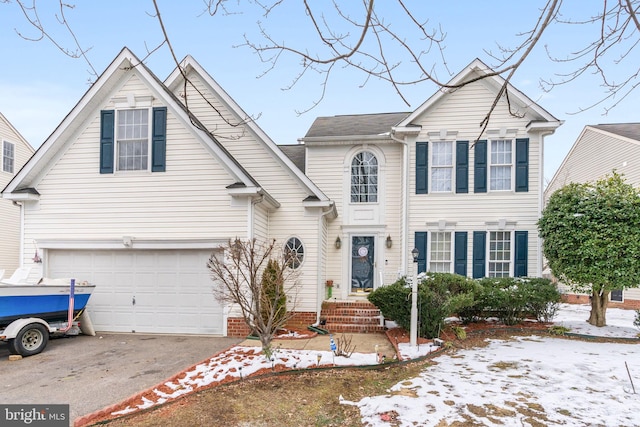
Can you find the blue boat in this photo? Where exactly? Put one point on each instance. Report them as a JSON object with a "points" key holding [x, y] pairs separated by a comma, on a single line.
{"points": [[48, 300]]}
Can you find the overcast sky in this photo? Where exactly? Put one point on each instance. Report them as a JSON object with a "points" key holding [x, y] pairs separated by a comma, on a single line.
{"points": [[39, 85]]}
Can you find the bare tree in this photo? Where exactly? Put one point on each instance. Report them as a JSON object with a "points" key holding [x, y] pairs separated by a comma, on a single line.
{"points": [[256, 279], [409, 50]]}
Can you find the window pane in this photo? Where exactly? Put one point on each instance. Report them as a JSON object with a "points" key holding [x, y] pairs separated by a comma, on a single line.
{"points": [[440, 252], [499, 253], [364, 178], [441, 166], [294, 252], [8, 156], [501, 164], [133, 139]]}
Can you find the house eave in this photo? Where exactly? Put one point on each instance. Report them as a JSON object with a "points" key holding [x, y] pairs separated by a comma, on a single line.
{"points": [[343, 140]]}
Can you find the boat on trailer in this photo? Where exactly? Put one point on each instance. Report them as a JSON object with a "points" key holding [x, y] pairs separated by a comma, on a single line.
{"points": [[29, 313]]}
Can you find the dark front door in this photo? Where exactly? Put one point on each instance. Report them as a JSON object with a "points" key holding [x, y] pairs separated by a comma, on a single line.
{"points": [[362, 263]]}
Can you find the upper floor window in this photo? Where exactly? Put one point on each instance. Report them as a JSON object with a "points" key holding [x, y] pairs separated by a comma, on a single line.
{"points": [[133, 140], [132, 136], [499, 253], [441, 166], [364, 178], [501, 164], [8, 157]]}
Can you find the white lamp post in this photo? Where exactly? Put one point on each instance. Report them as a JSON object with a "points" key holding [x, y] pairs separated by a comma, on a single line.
{"points": [[413, 337]]}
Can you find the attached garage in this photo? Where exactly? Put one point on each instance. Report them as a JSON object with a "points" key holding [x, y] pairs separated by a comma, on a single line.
{"points": [[150, 291]]}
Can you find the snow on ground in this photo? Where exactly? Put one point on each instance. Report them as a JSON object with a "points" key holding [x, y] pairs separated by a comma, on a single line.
{"points": [[554, 381], [521, 382]]}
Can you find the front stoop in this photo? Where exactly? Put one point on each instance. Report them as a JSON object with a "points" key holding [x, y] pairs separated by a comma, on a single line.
{"points": [[351, 317]]}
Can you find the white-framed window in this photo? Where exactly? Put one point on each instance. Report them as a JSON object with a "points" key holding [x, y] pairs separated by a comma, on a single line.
{"points": [[441, 166], [364, 178], [501, 165], [440, 252], [8, 157], [499, 254], [294, 252], [132, 139]]}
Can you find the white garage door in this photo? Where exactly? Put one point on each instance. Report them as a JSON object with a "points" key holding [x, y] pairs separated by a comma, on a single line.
{"points": [[158, 291]]}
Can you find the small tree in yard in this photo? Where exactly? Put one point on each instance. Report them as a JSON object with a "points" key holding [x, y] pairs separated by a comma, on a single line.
{"points": [[256, 278], [591, 238]]}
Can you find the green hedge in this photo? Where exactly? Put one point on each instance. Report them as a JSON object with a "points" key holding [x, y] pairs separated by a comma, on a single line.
{"points": [[441, 295]]}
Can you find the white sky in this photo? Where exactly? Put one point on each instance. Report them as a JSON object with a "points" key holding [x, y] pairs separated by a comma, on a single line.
{"points": [[39, 85], [559, 381]]}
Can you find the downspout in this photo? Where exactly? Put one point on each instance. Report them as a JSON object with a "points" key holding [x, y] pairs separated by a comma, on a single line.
{"points": [[21, 251], [541, 196], [321, 248], [250, 226], [405, 202]]}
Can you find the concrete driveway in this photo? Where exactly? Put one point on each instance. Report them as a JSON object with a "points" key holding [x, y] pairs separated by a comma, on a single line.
{"points": [[90, 373]]}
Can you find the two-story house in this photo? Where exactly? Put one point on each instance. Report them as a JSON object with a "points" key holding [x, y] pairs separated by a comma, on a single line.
{"points": [[14, 153], [145, 179], [468, 199]]}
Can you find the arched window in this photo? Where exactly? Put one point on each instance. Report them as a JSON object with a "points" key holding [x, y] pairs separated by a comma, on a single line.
{"points": [[294, 252], [364, 178]]}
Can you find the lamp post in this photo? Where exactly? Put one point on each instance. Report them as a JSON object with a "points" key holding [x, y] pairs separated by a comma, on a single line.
{"points": [[413, 337]]}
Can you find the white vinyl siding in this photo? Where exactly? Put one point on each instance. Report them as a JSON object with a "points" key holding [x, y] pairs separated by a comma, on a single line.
{"points": [[460, 112], [10, 214], [290, 218]]}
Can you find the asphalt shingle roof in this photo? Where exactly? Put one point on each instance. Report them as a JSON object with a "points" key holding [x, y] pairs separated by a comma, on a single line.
{"points": [[354, 125], [628, 130], [296, 153]]}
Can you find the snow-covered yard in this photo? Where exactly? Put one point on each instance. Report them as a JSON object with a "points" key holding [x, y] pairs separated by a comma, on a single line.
{"points": [[531, 380], [527, 381]]}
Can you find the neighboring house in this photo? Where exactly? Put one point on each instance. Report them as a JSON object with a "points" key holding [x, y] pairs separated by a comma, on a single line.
{"points": [[428, 179], [598, 151], [14, 153], [133, 192]]}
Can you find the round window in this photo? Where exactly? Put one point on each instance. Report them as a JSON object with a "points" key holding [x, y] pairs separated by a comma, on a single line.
{"points": [[294, 252]]}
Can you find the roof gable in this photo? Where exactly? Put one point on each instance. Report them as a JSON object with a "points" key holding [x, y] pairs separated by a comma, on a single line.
{"points": [[106, 84], [189, 64], [478, 70]]}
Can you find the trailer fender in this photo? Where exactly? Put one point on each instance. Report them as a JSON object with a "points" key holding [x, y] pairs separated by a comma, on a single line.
{"points": [[14, 327]]}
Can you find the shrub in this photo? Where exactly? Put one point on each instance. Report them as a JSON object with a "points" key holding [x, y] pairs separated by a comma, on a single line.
{"points": [[439, 295], [274, 299], [542, 298]]}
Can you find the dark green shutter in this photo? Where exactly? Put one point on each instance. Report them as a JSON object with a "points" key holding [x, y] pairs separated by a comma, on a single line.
{"points": [[479, 253], [462, 167], [422, 167], [421, 245], [521, 254], [159, 139], [480, 167], [522, 164], [107, 123], [460, 253]]}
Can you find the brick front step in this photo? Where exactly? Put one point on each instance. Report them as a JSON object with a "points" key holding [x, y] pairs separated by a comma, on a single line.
{"points": [[336, 328], [351, 316]]}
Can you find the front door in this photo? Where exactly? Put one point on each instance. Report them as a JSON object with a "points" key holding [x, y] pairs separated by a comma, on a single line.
{"points": [[362, 263]]}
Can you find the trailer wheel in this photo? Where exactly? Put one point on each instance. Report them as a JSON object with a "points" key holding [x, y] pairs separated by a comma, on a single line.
{"points": [[31, 339]]}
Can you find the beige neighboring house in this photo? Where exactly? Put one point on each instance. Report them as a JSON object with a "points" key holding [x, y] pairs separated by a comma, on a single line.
{"points": [[598, 151], [134, 192], [14, 153]]}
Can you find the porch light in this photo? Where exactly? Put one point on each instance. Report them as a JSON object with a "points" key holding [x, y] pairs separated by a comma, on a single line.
{"points": [[414, 253], [338, 242], [389, 242]]}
